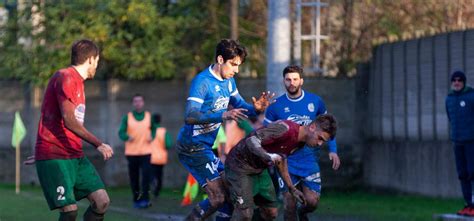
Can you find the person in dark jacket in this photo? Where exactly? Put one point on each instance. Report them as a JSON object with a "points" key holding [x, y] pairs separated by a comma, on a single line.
{"points": [[460, 110]]}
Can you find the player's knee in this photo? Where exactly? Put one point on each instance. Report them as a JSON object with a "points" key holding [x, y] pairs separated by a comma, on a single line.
{"points": [[102, 205], [243, 214], [312, 202], [217, 200], [289, 203], [216, 194], [269, 213], [100, 202]]}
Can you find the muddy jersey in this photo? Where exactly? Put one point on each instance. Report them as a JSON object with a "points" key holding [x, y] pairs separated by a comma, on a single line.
{"points": [[250, 154]]}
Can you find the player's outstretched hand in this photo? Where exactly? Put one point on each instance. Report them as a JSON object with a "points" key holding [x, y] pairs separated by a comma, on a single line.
{"points": [[298, 195], [106, 151], [30, 160], [263, 101], [336, 162], [235, 114]]}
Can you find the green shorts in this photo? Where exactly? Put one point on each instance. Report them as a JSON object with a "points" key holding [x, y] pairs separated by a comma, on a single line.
{"points": [[264, 191], [249, 190], [65, 181]]}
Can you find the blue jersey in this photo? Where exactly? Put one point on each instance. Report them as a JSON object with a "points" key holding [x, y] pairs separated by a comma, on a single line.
{"points": [[302, 110], [209, 95]]}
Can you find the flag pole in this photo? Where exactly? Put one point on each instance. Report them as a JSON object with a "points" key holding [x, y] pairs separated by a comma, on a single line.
{"points": [[17, 173]]}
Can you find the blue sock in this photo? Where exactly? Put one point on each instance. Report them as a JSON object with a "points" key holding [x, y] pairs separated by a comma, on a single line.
{"points": [[224, 213], [204, 207]]}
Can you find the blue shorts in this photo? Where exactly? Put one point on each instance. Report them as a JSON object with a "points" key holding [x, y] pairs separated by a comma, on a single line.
{"points": [[202, 164], [313, 182]]}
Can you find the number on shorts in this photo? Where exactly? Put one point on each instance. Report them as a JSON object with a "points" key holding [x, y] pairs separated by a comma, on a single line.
{"points": [[60, 190], [280, 182], [212, 166]]}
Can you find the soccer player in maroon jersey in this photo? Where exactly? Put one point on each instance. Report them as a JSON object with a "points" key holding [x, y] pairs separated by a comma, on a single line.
{"points": [[65, 174], [266, 147]]}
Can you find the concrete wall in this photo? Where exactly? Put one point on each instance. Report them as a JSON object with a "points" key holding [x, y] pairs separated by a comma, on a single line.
{"points": [[419, 167], [107, 101], [408, 144]]}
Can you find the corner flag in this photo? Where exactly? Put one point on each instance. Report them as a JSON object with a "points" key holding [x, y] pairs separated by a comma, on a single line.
{"points": [[18, 132], [190, 191]]}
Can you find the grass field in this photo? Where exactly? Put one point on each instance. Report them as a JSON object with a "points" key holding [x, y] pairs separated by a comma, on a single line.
{"points": [[353, 205]]}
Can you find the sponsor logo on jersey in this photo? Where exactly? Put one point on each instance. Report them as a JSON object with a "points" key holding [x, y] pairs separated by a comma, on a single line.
{"points": [[217, 88], [221, 104], [286, 109], [301, 120], [462, 103], [311, 107], [80, 112]]}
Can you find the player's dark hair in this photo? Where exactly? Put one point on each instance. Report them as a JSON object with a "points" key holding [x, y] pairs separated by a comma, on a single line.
{"points": [[138, 95], [327, 123], [293, 69], [82, 50], [156, 118], [229, 49]]}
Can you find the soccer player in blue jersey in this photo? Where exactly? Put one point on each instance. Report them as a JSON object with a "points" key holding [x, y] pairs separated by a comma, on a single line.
{"points": [[210, 93], [301, 107]]}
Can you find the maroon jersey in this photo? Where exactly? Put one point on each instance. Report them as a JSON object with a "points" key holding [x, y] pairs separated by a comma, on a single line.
{"points": [[250, 155], [54, 140]]}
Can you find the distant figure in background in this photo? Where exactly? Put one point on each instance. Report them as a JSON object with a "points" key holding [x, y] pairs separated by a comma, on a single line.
{"points": [[159, 153], [138, 130], [460, 110]]}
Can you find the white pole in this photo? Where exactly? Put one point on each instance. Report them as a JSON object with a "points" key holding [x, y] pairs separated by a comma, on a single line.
{"points": [[278, 44]]}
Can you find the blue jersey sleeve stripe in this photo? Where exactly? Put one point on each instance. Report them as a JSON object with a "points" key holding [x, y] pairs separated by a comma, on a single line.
{"points": [[234, 93], [199, 100], [267, 120]]}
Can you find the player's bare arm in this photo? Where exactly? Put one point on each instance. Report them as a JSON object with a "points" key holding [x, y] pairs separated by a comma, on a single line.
{"points": [[67, 111], [282, 165], [336, 162]]}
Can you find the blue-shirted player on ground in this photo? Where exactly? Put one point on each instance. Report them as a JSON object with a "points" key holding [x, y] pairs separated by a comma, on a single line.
{"points": [[210, 93], [301, 107]]}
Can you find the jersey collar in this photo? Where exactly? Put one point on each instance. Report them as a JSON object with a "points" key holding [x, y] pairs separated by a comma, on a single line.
{"points": [[74, 70], [216, 76], [295, 99]]}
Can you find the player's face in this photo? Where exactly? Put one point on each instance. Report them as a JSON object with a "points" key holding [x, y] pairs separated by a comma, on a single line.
{"points": [[293, 83], [457, 84], [316, 137], [138, 103], [93, 62], [229, 68]]}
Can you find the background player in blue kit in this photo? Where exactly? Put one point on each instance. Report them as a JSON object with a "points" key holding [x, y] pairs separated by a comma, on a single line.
{"points": [[301, 107], [210, 93]]}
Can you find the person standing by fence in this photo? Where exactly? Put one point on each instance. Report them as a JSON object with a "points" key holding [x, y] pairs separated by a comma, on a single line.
{"points": [[460, 110]]}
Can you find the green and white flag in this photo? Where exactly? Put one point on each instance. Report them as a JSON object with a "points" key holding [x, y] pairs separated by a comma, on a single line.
{"points": [[19, 130]]}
